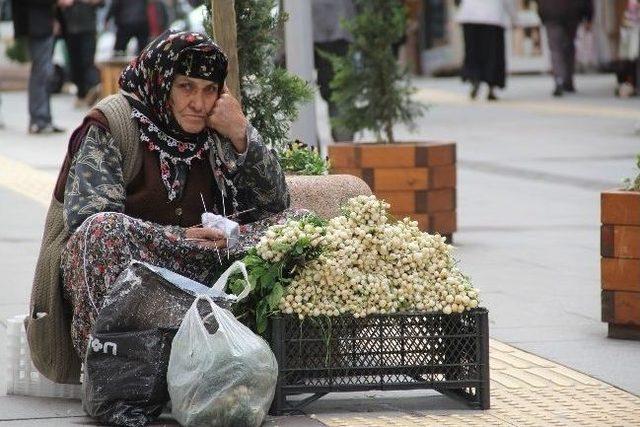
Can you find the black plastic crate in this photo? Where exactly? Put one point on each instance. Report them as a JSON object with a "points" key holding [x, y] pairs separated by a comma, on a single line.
{"points": [[400, 351]]}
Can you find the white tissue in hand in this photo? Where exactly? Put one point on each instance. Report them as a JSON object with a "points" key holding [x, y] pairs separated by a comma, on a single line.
{"points": [[231, 229]]}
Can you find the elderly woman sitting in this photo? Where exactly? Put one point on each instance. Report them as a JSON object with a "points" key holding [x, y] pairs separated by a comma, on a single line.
{"points": [[137, 174]]}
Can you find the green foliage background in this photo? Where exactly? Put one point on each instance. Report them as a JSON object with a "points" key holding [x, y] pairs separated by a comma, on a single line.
{"points": [[370, 89], [634, 185], [302, 159]]}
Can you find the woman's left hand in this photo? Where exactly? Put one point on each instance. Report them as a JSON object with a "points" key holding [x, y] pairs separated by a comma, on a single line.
{"points": [[208, 238], [226, 118]]}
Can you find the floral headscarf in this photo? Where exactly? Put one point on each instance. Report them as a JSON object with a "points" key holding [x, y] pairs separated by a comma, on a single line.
{"points": [[149, 77]]}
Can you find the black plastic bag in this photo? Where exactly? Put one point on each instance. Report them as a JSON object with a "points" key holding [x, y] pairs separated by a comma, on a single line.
{"points": [[148, 297], [125, 370], [123, 376]]}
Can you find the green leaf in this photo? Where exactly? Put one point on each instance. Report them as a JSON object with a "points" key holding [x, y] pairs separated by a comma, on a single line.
{"points": [[275, 296], [261, 316], [237, 286], [268, 280], [253, 280], [281, 247]]}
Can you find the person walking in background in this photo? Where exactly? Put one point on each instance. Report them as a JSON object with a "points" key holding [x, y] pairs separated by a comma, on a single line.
{"points": [[637, 20], [131, 21], [158, 17], [632, 20], [78, 22], [561, 19], [1, 117], [483, 23], [34, 19], [329, 36]]}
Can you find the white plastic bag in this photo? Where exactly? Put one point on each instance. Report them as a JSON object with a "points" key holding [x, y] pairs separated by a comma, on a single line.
{"points": [[231, 229], [227, 378]]}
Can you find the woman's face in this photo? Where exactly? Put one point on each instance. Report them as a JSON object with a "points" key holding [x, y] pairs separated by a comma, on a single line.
{"points": [[191, 99]]}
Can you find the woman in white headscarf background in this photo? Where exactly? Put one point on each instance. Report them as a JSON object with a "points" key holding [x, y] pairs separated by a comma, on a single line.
{"points": [[483, 24]]}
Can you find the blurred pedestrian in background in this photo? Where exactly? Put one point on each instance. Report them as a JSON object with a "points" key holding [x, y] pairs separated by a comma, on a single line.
{"points": [[629, 50], [130, 17], [330, 36], [158, 17], [78, 22], [634, 14], [483, 23], [561, 19], [35, 20], [1, 117]]}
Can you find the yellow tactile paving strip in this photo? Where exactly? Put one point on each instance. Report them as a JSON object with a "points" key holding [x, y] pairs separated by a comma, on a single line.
{"points": [[526, 390], [25, 180], [439, 96]]}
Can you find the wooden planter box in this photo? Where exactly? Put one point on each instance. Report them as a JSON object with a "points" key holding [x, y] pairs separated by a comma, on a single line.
{"points": [[417, 179], [110, 74], [620, 263]]}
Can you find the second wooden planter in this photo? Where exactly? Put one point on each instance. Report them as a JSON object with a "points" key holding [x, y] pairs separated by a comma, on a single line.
{"points": [[417, 179], [620, 263]]}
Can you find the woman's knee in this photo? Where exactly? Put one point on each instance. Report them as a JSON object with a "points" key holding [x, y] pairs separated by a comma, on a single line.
{"points": [[103, 221], [101, 228]]}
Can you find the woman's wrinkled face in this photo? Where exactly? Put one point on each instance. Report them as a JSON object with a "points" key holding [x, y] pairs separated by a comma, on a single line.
{"points": [[191, 99]]}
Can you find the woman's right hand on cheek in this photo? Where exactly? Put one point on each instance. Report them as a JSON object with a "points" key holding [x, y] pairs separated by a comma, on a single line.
{"points": [[210, 238]]}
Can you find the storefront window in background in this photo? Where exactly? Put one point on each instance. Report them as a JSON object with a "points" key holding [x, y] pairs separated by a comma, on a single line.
{"points": [[527, 47], [527, 37]]}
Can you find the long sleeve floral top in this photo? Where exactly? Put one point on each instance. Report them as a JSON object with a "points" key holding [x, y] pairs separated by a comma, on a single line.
{"points": [[95, 182]]}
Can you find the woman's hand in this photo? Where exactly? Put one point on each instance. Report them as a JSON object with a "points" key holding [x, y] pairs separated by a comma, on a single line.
{"points": [[209, 238], [226, 118]]}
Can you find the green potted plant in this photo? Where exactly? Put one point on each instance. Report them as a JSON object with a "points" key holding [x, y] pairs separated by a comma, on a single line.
{"points": [[373, 92], [300, 159], [620, 262]]}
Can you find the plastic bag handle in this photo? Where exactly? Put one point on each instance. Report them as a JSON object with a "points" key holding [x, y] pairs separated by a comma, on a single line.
{"points": [[221, 283], [214, 306]]}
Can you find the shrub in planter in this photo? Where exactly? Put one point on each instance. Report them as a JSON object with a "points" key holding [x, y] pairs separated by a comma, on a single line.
{"points": [[299, 158], [369, 87], [373, 92], [620, 263]]}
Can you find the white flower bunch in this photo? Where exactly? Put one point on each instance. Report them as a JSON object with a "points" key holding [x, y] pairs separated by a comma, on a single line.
{"points": [[369, 266], [281, 238]]}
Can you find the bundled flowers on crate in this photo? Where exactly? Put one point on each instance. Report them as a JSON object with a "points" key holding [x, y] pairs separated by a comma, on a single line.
{"points": [[279, 256], [360, 263]]}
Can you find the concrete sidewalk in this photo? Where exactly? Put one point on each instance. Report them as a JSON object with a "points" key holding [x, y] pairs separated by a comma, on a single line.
{"points": [[530, 172]]}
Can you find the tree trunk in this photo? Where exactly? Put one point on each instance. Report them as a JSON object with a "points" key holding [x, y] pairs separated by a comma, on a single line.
{"points": [[388, 130], [224, 30]]}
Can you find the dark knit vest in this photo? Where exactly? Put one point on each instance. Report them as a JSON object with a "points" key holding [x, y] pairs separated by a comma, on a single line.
{"points": [[147, 196]]}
